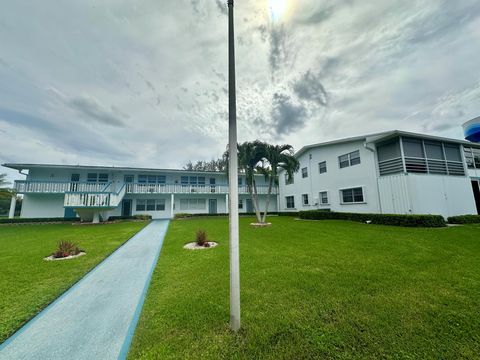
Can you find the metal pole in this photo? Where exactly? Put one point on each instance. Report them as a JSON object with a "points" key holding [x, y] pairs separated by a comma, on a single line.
{"points": [[233, 180]]}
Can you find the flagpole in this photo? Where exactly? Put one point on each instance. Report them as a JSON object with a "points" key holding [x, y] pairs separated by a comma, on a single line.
{"points": [[233, 179]]}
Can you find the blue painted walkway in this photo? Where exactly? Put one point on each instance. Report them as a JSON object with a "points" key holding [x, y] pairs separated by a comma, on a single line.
{"points": [[96, 318]]}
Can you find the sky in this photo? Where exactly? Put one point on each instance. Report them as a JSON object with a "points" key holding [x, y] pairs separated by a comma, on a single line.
{"points": [[144, 83]]}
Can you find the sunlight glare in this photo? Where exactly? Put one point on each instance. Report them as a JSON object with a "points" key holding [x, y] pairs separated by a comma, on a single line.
{"points": [[277, 9]]}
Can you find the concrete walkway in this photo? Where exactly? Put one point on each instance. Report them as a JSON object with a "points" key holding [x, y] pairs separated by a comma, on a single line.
{"points": [[96, 318]]}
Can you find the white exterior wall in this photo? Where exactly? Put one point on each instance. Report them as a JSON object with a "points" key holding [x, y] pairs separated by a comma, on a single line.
{"points": [[42, 206], [442, 195], [335, 179]]}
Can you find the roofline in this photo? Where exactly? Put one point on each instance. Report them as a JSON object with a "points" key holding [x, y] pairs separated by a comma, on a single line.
{"points": [[22, 166], [375, 137]]}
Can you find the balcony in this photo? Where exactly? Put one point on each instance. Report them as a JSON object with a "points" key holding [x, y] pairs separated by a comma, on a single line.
{"points": [[58, 187], [94, 200], [136, 188], [99, 191]]}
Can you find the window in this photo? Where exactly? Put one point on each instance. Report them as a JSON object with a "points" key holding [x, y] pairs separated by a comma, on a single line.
{"points": [[288, 180], [323, 198], [413, 148], [350, 159], [102, 178], [150, 205], [240, 181], [193, 180], [193, 204], [141, 205], [304, 172], [290, 200], [184, 180], [92, 177], [305, 199], [160, 205], [75, 178], [142, 179], [201, 180], [352, 196], [322, 167], [162, 179], [469, 157], [240, 204]]}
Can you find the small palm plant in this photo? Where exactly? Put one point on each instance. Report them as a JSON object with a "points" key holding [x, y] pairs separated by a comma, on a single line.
{"points": [[66, 248], [202, 239]]}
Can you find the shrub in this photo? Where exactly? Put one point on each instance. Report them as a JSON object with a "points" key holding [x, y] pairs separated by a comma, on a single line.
{"points": [[379, 219], [202, 239], [36, 220], [134, 217], [66, 248], [182, 215], [464, 219]]}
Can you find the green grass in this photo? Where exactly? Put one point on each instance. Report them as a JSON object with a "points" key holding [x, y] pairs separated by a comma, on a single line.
{"points": [[316, 289], [28, 283]]}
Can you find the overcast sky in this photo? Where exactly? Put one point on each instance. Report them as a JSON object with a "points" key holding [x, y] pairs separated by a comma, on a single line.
{"points": [[144, 83]]}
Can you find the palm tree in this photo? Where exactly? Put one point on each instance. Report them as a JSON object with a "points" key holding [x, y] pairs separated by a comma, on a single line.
{"points": [[278, 157], [3, 180]]}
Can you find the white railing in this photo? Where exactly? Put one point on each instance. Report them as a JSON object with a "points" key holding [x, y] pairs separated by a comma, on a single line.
{"points": [[93, 200], [116, 198], [23, 186], [190, 189]]}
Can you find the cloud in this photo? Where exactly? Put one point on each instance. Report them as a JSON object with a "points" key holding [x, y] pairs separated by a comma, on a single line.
{"points": [[221, 7], [91, 109], [286, 115], [310, 88]]}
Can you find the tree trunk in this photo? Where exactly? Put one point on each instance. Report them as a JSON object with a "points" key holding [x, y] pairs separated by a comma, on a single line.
{"points": [[255, 202], [267, 203]]}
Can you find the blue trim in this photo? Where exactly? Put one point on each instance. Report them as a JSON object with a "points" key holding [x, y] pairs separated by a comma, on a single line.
{"points": [[68, 291], [133, 325]]}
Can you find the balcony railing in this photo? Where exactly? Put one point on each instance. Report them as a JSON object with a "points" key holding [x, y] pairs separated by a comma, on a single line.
{"points": [[23, 186], [49, 187], [136, 188], [94, 199]]}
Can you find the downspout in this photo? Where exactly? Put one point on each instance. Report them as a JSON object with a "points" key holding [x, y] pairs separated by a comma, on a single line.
{"points": [[377, 173]]}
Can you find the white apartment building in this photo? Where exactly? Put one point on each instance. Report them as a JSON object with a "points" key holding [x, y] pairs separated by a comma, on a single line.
{"points": [[392, 172], [97, 192]]}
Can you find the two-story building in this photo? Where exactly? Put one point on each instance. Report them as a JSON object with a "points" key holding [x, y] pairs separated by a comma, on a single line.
{"points": [[393, 172], [97, 192]]}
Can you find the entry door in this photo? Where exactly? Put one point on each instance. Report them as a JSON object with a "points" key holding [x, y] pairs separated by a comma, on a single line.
{"points": [[74, 182], [127, 207], [128, 179], [212, 206], [212, 185], [249, 206], [476, 193]]}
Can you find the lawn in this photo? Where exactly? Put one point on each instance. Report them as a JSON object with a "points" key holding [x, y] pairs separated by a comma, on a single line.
{"points": [[316, 289], [28, 283]]}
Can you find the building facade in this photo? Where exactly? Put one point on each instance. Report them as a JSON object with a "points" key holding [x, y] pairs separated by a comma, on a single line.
{"points": [[96, 193], [393, 172]]}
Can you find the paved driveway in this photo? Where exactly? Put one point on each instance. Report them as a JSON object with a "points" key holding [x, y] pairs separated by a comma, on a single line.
{"points": [[96, 318]]}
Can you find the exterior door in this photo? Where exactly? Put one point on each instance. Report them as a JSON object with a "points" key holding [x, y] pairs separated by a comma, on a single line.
{"points": [[70, 213], [212, 206], [212, 185], [249, 206], [127, 207], [476, 193], [128, 179], [74, 182]]}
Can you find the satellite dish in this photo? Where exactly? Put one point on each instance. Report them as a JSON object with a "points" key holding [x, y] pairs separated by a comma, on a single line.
{"points": [[471, 129]]}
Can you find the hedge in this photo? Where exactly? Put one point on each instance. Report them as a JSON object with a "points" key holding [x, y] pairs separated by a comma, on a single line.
{"points": [[379, 219], [36, 220], [464, 219], [134, 217], [188, 215]]}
